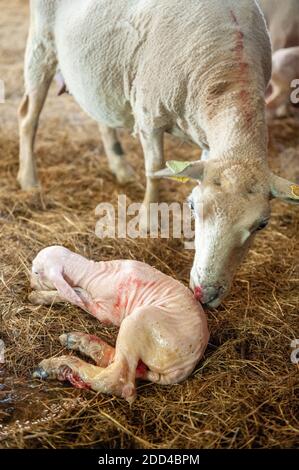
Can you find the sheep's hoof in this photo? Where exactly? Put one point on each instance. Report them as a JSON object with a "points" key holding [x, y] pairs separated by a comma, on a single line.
{"points": [[124, 172], [27, 183], [40, 373]]}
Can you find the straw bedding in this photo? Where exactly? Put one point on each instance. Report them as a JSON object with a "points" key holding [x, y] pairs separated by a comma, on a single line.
{"points": [[243, 394]]}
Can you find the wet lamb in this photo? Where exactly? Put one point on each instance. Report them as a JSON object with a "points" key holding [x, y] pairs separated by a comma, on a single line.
{"points": [[163, 330]]}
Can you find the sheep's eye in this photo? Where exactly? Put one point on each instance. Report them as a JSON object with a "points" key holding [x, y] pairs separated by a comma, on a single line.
{"points": [[262, 225], [191, 204]]}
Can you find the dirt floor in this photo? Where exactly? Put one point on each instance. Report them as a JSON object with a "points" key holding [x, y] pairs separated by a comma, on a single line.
{"points": [[244, 394]]}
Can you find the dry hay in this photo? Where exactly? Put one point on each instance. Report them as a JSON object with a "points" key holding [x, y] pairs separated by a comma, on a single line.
{"points": [[244, 393]]}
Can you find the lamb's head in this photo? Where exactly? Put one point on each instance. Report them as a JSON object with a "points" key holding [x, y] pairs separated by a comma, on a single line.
{"points": [[38, 279], [231, 204]]}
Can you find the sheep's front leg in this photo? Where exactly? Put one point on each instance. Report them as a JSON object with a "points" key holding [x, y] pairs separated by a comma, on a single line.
{"points": [[115, 154], [152, 144]]}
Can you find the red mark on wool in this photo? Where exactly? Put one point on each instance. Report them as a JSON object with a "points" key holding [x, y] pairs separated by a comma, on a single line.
{"points": [[244, 95]]}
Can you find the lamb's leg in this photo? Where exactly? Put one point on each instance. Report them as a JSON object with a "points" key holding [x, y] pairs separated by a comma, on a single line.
{"points": [[97, 349], [116, 379], [152, 144], [47, 297], [40, 65], [67, 368], [115, 154], [89, 345], [137, 339]]}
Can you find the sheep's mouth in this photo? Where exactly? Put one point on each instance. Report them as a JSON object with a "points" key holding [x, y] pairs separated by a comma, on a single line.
{"points": [[214, 303]]}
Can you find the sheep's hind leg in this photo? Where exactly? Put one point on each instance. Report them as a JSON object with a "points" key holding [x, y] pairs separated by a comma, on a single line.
{"points": [[40, 66]]}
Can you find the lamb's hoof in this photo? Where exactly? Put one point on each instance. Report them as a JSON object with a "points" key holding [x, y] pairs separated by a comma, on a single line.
{"points": [[68, 340], [34, 298], [40, 373], [129, 393]]}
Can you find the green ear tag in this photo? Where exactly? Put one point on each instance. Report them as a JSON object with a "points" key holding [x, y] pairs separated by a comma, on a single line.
{"points": [[177, 167], [295, 191]]}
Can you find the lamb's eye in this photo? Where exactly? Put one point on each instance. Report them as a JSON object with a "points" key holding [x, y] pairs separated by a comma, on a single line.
{"points": [[262, 225]]}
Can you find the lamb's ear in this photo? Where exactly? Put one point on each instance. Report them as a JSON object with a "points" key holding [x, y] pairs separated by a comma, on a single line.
{"points": [[284, 189], [182, 171]]}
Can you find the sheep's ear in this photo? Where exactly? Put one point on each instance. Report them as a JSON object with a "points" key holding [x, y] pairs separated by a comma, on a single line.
{"points": [[182, 171], [284, 189]]}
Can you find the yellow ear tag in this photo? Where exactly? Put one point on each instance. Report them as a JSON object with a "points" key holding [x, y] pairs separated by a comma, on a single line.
{"points": [[295, 191], [177, 167], [180, 179]]}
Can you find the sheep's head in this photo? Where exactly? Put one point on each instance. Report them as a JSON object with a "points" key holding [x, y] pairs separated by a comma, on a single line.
{"points": [[231, 204]]}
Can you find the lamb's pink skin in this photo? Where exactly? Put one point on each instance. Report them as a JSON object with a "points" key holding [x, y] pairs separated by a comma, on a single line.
{"points": [[119, 288]]}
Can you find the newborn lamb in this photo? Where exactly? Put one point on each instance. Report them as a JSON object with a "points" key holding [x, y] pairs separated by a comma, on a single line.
{"points": [[163, 330]]}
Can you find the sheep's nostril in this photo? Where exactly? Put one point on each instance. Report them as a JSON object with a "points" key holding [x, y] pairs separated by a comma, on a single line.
{"points": [[198, 293]]}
